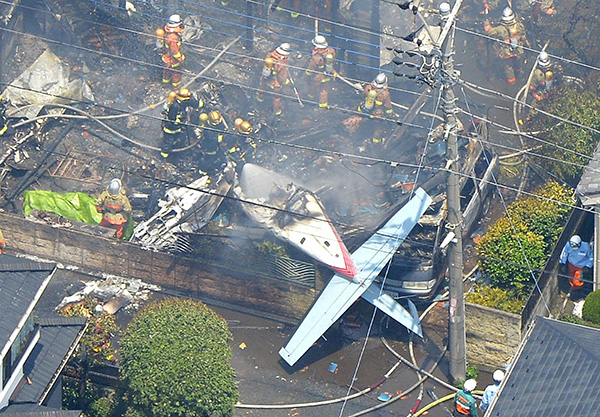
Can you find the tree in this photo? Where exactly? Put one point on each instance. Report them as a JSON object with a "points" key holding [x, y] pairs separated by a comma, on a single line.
{"points": [[175, 361], [569, 146]]}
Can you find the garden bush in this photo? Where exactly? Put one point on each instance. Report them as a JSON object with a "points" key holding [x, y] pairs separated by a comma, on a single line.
{"points": [[497, 298], [507, 251], [176, 361], [591, 307]]}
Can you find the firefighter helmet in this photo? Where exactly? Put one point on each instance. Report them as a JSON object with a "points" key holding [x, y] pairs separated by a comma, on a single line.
{"points": [[184, 94], [380, 81], [508, 16], [284, 49], [115, 186], [544, 59], [174, 21], [320, 42], [575, 241], [171, 98], [203, 118], [498, 375], [214, 118], [469, 385], [242, 126]]}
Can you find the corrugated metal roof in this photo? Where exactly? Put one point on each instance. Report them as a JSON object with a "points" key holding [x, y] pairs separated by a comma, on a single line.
{"points": [[56, 337], [589, 184], [20, 280], [556, 374]]}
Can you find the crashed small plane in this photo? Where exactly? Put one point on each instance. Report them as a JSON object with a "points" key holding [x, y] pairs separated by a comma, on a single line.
{"points": [[342, 291], [293, 214]]}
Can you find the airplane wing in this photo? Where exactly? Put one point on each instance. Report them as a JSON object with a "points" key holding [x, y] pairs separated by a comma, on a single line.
{"points": [[342, 292]]}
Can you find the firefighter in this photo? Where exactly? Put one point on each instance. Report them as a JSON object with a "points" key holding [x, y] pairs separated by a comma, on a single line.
{"points": [[274, 76], [212, 146], [546, 76], [114, 206], [178, 118], [233, 142], [489, 6], [510, 50], [464, 402], [168, 41], [377, 103], [5, 130], [320, 71], [543, 13]]}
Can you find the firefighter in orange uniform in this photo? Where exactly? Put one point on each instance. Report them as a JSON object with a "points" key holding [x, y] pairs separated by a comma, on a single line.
{"points": [[378, 104], [168, 40], [320, 70], [513, 37], [274, 76], [114, 206]]}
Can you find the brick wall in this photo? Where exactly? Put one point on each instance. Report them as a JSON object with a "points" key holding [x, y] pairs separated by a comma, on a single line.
{"points": [[92, 253], [492, 336]]}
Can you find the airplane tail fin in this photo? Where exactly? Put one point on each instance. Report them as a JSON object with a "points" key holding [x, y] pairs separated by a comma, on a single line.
{"points": [[393, 309]]}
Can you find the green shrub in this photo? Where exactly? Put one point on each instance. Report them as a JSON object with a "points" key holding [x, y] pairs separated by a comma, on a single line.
{"points": [[506, 253], [100, 408], [545, 215], [571, 318], [591, 307], [270, 248], [176, 361], [497, 298], [581, 107]]}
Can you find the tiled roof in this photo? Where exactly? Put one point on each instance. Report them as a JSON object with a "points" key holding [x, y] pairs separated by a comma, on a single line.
{"points": [[20, 280], [34, 410], [556, 374], [56, 338]]}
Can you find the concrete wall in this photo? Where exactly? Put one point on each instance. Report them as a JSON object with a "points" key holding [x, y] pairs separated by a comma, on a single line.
{"points": [[195, 277], [492, 336]]}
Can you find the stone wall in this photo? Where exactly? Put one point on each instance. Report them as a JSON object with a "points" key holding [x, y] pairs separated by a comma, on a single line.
{"points": [[193, 276], [492, 336]]}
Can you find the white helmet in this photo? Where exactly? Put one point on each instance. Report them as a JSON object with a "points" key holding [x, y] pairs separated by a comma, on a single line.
{"points": [[469, 385], [380, 81], [498, 375], [174, 21], [284, 49], [575, 241], [320, 42], [544, 59], [115, 186], [507, 15]]}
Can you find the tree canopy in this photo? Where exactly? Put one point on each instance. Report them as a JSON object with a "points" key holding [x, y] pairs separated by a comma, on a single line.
{"points": [[175, 361]]}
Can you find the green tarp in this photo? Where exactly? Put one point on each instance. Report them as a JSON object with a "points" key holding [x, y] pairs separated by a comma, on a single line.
{"points": [[73, 206]]}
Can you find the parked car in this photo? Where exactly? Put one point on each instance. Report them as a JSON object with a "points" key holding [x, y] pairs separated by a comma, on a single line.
{"points": [[419, 267]]}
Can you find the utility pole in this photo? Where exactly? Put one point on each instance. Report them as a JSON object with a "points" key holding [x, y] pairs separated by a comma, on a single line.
{"points": [[456, 322]]}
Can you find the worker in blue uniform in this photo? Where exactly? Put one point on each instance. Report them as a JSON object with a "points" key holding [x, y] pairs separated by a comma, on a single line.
{"points": [[576, 255], [490, 391]]}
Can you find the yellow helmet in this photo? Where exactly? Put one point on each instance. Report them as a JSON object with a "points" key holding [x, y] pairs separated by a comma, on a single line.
{"points": [[171, 97], [184, 94], [243, 127], [203, 117], [214, 118]]}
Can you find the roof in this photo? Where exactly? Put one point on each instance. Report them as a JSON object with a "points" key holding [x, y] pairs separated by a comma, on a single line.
{"points": [[57, 336], [556, 373], [21, 283], [589, 184], [34, 410]]}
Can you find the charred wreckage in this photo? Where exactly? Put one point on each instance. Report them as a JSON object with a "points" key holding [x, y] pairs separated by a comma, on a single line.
{"points": [[84, 104]]}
